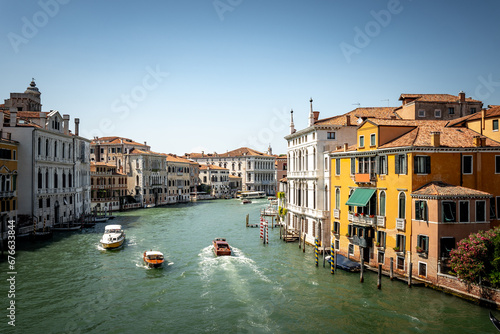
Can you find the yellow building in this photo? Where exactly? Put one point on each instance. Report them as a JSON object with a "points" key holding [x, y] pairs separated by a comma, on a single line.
{"points": [[8, 182], [373, 182], [484, 122]]}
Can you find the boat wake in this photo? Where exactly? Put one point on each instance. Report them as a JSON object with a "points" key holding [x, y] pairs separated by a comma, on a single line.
{"points": [[248, 284]]}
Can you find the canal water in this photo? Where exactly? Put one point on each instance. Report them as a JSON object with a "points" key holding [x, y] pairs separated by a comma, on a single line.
{"points": [[71, 285]]}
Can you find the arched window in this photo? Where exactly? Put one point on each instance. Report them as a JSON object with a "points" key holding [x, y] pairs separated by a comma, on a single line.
{"points": [[47, 179], [64, 180], [402, 205], [40, 184], [70, 180], [55, 180], [55, 149], [137, 180], [46, 147], [381, 209], [337, 198], [39, 146], [63, 150]]}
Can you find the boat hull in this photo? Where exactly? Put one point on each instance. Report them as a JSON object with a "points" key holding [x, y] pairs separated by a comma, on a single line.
{"points": [[221, 248], [110, 245]]}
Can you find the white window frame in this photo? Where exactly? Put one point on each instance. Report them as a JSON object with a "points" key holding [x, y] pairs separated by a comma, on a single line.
{"points": [[381, 253], [399, 204], [492, 125], [424, 157], [421, 113], [350, 249], [373, 140], [361, 138], [337, 166], [328, 135], [380, 202], [437, 113], [471, 164], [425, 264], [337, 244]]}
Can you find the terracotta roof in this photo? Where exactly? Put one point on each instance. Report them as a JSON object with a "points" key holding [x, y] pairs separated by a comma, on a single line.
{"points": [[207, 167], [372, 112], [441, 189], [420, 135], [116, 140], [175, 158], [234, 177], [234, 153], [494, 111], [434, 98]]}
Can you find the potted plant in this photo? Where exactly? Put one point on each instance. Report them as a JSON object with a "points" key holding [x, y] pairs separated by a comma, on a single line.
{"points": [[420, 249], [372, 216], [377, 244], [348, 235], [356, 214], [396, 249]]}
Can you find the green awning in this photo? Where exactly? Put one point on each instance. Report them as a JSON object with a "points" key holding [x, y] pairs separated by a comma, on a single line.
{"points": [[360, 197]]}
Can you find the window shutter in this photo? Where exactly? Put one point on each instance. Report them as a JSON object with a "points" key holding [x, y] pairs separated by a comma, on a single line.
{"points": [[424, 210], [415, 165], [378, 161], [417, 210], [404, 168], [396, 165], [428, 164], [353, 166]]}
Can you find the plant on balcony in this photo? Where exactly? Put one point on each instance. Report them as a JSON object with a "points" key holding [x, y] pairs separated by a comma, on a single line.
{"points": [[377, 244], [362, 214], [396, 249], [420, 249], [372, 216], [356, 214], [348, 235]]}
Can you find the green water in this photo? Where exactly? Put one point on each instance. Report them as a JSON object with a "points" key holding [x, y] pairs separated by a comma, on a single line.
{"points": [[70, 285]]}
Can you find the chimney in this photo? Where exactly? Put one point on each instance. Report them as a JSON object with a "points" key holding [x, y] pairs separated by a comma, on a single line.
{"points": [[66, 124], [347, 120], [338, 147], [476, 141], [77, 126], [13, 117], [483, 141], [316, 115], [483, 119], [292, 126], [43, 120], [461, 97], [435, 139], [346, 146]]}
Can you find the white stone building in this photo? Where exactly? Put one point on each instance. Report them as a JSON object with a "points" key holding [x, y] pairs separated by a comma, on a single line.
{"points": [[53, 163], [256, 169], [217, 178], [308, 181]]}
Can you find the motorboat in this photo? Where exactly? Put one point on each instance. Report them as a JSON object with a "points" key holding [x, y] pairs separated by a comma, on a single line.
{"points": [[344, 263], [113, 237], [153, 259], [246, 201], [253, 194], [221, 247]]}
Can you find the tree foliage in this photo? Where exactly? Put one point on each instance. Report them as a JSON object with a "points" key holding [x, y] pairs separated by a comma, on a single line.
{"points": [[477, 258]]}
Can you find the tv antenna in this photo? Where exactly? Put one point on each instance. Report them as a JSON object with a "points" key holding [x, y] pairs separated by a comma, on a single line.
{"points": [[387, 102]]}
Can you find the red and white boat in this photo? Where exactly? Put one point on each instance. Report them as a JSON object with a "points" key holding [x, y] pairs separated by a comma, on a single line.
{"points": [[153, 259]]}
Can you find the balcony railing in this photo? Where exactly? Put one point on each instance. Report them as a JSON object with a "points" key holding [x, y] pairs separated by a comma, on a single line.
{"points": [[350, 217], [4, 194], [400, 224], [336, 213], [381, 221]]}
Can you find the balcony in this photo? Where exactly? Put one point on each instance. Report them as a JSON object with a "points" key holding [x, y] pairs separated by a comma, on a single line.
{"points": [[400, 224], [381, 221], [365, 178], [6, 194], [350, 217], [336, 213]]}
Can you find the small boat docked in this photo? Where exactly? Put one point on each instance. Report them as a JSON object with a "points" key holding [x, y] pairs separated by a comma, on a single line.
{"points": [[221, 247], [113, 237], [345, 264], [67, 227], [246, 201], [100, 219], [153, 259]]}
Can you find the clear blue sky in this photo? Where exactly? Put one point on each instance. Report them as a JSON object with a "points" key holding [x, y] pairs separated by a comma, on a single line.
{"points": [[216, 75]]}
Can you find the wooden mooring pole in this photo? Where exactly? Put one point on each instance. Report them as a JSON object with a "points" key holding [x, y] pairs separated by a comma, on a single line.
{"points": [[248, 215], [379, 279], [391, 274], [362, 261], [409, 275], [304, 246]]}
